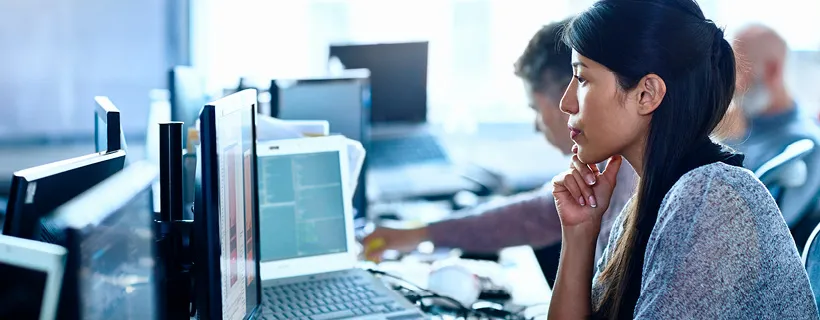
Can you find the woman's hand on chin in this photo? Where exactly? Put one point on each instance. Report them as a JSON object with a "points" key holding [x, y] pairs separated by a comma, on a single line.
{"points": [[582, 193]]}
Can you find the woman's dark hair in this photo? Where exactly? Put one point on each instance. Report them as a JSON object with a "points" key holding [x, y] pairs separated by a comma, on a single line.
{"points": [[672, 39]]}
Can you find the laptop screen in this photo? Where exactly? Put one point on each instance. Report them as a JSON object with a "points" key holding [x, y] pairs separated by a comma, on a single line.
{"points": [[301, 206]]}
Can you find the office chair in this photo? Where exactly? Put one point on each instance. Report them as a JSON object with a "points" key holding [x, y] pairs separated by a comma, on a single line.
{"points": [[787, 169], [811, 260]]}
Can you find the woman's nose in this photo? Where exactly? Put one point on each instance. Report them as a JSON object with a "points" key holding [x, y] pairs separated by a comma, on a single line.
{"points": [[569, 102]]}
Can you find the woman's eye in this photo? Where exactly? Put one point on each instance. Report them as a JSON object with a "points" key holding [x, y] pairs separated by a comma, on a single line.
{"points": [[580, 80]]}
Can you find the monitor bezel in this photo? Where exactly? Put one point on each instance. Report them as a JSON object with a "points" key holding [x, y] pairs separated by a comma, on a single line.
{"points": [[21, 180], [206, 208], [106, 110]]}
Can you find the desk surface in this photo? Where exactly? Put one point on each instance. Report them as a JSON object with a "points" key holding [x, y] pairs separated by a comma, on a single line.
{"points": [[520, 269]]}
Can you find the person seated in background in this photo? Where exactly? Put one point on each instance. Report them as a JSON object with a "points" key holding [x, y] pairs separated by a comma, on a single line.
{"points": [[529, 218], [768, 119], [702, 238]]}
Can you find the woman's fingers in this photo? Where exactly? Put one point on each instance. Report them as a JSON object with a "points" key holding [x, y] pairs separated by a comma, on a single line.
{"points": [[572, 186], [589, 176], [586, 190]]}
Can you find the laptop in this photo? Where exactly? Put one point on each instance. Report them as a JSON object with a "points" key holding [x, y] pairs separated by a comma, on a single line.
{"points": [[32, 272], [405, 160], [307, 248]]}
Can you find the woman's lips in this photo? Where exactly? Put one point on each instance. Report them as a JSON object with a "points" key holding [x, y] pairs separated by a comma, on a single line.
{"points": [[573, 132]]}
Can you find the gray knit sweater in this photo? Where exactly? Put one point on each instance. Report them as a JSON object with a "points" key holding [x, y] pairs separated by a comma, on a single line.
{"points": [[719, 250]]}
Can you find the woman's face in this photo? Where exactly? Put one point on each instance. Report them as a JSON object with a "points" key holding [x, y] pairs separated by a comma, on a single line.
{"points": [[604, 120]]}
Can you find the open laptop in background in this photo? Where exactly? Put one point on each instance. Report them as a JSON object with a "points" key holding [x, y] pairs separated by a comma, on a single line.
{"points": [[338, 100], [404, 159], [307, 245]]}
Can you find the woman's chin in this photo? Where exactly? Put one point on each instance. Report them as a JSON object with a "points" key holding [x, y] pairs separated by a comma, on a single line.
{"points": [[588, 156]]}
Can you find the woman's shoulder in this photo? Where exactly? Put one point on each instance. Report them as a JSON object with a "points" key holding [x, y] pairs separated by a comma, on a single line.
{"points": [[713, 195], [719, 181]]}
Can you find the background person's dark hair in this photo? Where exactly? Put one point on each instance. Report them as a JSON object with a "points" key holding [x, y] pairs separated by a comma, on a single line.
{"points": [[672, 39], [546, 60]]}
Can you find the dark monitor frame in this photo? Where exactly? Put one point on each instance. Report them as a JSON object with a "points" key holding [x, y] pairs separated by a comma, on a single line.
{"points": [[207, 248], [179, 76], [21, 220], [106, 110], [104, 200], [380, 112]]}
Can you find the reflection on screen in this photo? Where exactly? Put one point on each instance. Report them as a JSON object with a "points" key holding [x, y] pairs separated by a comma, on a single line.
{"points": [[21, 292], [116, 267], [301, 206], [237, 263]]}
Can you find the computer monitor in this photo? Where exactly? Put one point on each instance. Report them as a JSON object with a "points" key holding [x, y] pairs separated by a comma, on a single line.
{"points": [[188, 94], [108, 232], [342, 101], [398, 78], [37, 191], [32, 273], [108, 135], [226, 216]]}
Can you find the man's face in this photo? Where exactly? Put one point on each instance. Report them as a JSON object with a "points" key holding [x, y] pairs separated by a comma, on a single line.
{"points": [[550, 119]]}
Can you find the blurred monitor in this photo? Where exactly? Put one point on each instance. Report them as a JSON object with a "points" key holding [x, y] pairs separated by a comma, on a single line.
{"points": [[398, 78], [108, 134], [108, 234], [37, 191], [188, 94], [226, 210]]}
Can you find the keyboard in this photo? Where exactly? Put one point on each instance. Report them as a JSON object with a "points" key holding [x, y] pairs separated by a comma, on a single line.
{"points": [[333, 298], [405, 151]]}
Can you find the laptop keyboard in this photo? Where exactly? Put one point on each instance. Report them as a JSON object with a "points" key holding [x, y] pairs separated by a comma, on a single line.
{"points": [[335, 298], [404, 151]]}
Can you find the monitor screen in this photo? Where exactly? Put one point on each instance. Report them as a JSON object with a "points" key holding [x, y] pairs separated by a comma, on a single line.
{"points": [[398, 78], [116, 264], [23, 297], [301, 206], [234, 147]]}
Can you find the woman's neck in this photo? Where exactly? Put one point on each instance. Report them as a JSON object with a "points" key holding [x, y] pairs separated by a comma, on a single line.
{"points": [[634, 155]]}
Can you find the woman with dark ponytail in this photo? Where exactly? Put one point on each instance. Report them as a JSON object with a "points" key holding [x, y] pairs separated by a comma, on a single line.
{"points": [[702, 238]]}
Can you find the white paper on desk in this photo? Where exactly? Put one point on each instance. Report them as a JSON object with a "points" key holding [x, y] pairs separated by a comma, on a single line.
{"points": [[355, 155], [270, 128]]}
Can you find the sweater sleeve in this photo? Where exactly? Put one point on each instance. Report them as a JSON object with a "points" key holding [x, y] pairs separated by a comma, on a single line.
{"points": [[526, 219]]}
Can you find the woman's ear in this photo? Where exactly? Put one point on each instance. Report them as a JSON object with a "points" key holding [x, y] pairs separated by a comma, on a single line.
{"points": [[651, 90]]}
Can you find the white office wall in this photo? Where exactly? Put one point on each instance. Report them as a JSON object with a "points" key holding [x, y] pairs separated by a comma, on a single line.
{"points": [[56, 55]]}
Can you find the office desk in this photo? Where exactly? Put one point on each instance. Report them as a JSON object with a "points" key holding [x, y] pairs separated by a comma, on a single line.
{"points": [[521, 271]]}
